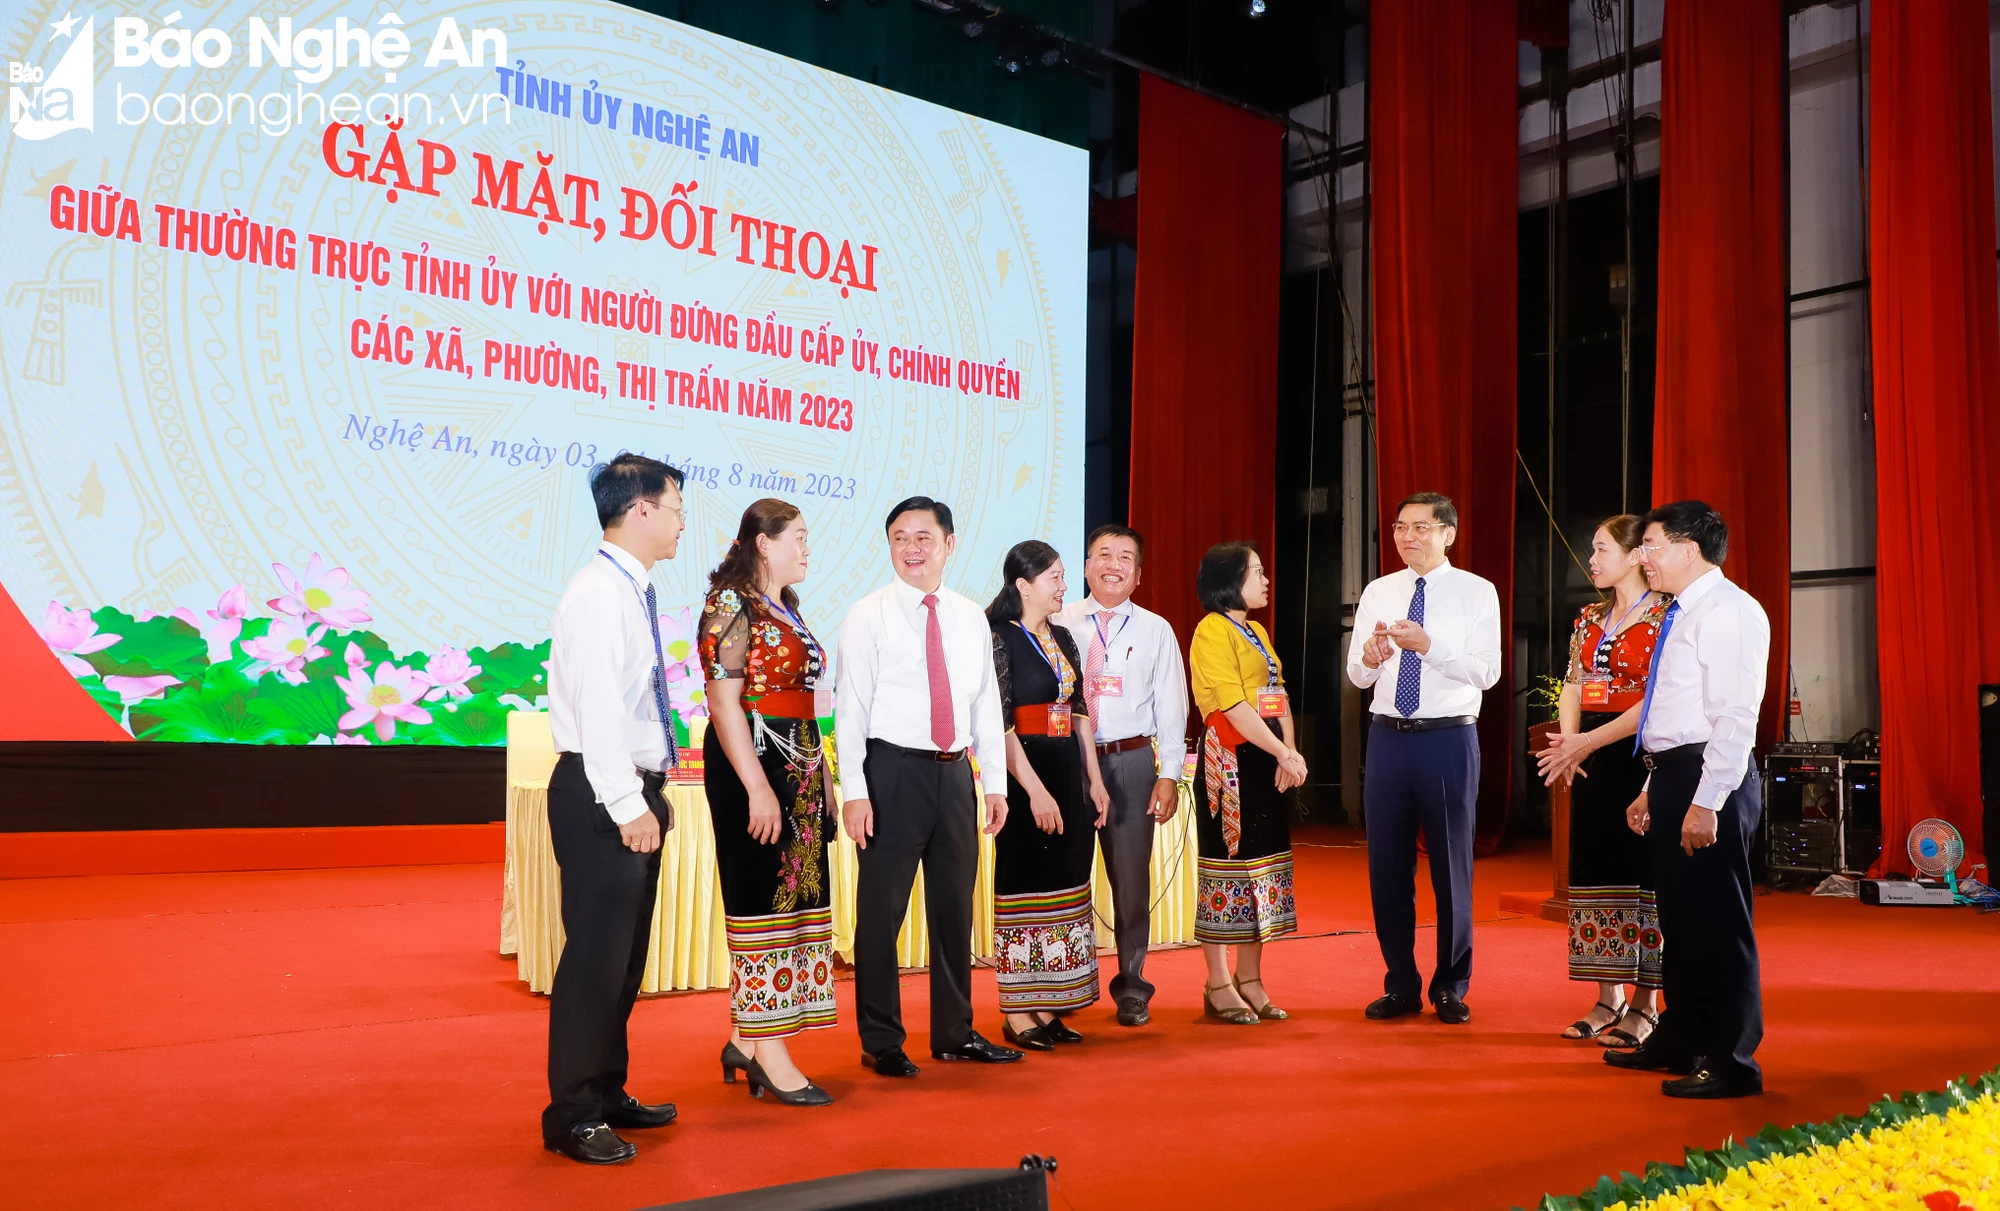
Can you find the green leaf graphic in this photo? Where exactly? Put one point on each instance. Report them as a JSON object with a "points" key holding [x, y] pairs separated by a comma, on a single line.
{"points": [[223, 707]]}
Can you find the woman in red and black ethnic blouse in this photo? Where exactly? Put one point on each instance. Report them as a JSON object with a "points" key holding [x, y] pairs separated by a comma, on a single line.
{"points": [[1614, 921], [1043, 934], [765, 773]]}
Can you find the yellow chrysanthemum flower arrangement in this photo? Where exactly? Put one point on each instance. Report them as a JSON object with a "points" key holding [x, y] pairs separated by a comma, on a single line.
{"points": [[1933, 1163], [1919, 1152]]}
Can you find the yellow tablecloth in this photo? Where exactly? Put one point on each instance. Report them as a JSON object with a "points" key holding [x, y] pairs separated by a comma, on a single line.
{"points": [[688, 948]]}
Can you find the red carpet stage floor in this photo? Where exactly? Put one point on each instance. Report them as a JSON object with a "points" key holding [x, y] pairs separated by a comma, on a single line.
{"points": [[350, 1037]]}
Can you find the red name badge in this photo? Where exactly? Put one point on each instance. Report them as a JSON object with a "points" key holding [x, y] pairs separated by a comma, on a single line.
{"points": [[1107, 685], [1059, 719], [1596, 691], [1272, 702]]}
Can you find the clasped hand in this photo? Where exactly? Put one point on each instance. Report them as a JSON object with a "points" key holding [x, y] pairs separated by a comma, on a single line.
{"points": [[1291, 770], [1563, 757], [1382, 646]]}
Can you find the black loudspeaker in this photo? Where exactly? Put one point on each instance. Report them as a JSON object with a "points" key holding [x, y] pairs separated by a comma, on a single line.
{"points": [[1862, 823], [1989, 760], [1023, 1189]]}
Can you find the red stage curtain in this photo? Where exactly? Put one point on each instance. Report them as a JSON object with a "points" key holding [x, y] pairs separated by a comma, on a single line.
{"points": [[1204, 339], [1937, 383], [1719, 424], [1445, 200]]}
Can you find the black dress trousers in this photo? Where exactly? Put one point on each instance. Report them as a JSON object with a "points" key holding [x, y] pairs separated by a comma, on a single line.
{"points": [[1715, 1004], [926, 811], [608, 894]]}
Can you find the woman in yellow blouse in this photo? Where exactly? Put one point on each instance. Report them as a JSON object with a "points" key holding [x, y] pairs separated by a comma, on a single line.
{"points": [[1247, 762]]}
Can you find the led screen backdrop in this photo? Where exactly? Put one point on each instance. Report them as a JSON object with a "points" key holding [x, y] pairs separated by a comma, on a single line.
{"points": [[312, 326]]}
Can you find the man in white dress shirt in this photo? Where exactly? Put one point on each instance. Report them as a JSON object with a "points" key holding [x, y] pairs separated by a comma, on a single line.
{"points": [[1700, 807], [916, 690], [1428, 640], [608, 716], [1136, 686]]}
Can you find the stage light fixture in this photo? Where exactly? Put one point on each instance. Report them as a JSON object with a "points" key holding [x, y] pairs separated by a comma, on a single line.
{"points": [[1052, 53], [1017, 44], [974, 29], [1257, 8]]}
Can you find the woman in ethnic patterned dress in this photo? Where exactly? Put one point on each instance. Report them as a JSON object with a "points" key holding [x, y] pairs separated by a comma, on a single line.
{"points": [[767, 794], [1247, 763], [1042, 928], [1614, 924]]}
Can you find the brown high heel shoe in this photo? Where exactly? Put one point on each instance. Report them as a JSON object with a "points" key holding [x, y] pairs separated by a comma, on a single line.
{"points": [[1232, 1015], [1266, 1012]]}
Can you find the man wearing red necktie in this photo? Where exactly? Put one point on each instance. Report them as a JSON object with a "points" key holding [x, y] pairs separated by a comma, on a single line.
{"points": [[916, 692]]}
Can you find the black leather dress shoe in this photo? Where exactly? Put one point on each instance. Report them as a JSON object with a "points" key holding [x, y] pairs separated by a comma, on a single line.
{"points": [[1133, 1012], [1059, 1031], [636, 1115], [1382, 1008], [1648, 1058], [1452, 1011], [890, 1061], [979, 1051], [1706, 1084], [593, 1144]]}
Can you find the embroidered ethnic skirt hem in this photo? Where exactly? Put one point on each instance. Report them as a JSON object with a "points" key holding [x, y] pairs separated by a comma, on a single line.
{"points": [[777, 916], [1042, 930], [1244, 896], [1614, 919], [1046, 949], [781, 973]]}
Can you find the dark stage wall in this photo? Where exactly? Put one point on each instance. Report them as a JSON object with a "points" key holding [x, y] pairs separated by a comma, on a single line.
{"points": [[91, 787]]}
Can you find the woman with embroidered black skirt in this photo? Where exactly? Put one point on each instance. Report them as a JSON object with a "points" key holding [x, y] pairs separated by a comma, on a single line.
{"points": [[1243, 895], [767, 795], [1043, 934], [1614, 920]]}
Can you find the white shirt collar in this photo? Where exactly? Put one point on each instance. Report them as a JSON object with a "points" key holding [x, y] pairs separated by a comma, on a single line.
{"points": [[1092, 606], [1431, 577], [911, 596], [624, 559], [1705, 584]]}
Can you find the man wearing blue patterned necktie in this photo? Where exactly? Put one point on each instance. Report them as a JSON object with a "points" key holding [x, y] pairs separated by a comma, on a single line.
{"points": [[1439, 627], [1700, 808], [608, 716]]}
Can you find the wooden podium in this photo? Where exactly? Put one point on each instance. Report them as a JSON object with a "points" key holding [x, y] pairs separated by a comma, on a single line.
{"points": [[1556, 907]]}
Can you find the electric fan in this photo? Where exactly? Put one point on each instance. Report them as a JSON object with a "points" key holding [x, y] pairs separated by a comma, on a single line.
{"points": [[1936, 850]]}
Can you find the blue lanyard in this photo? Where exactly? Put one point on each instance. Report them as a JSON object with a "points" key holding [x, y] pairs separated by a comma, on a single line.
{"points": [[1257, 643], [1605, 636], [815, 657], [1043, 653], [659, 662]]}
